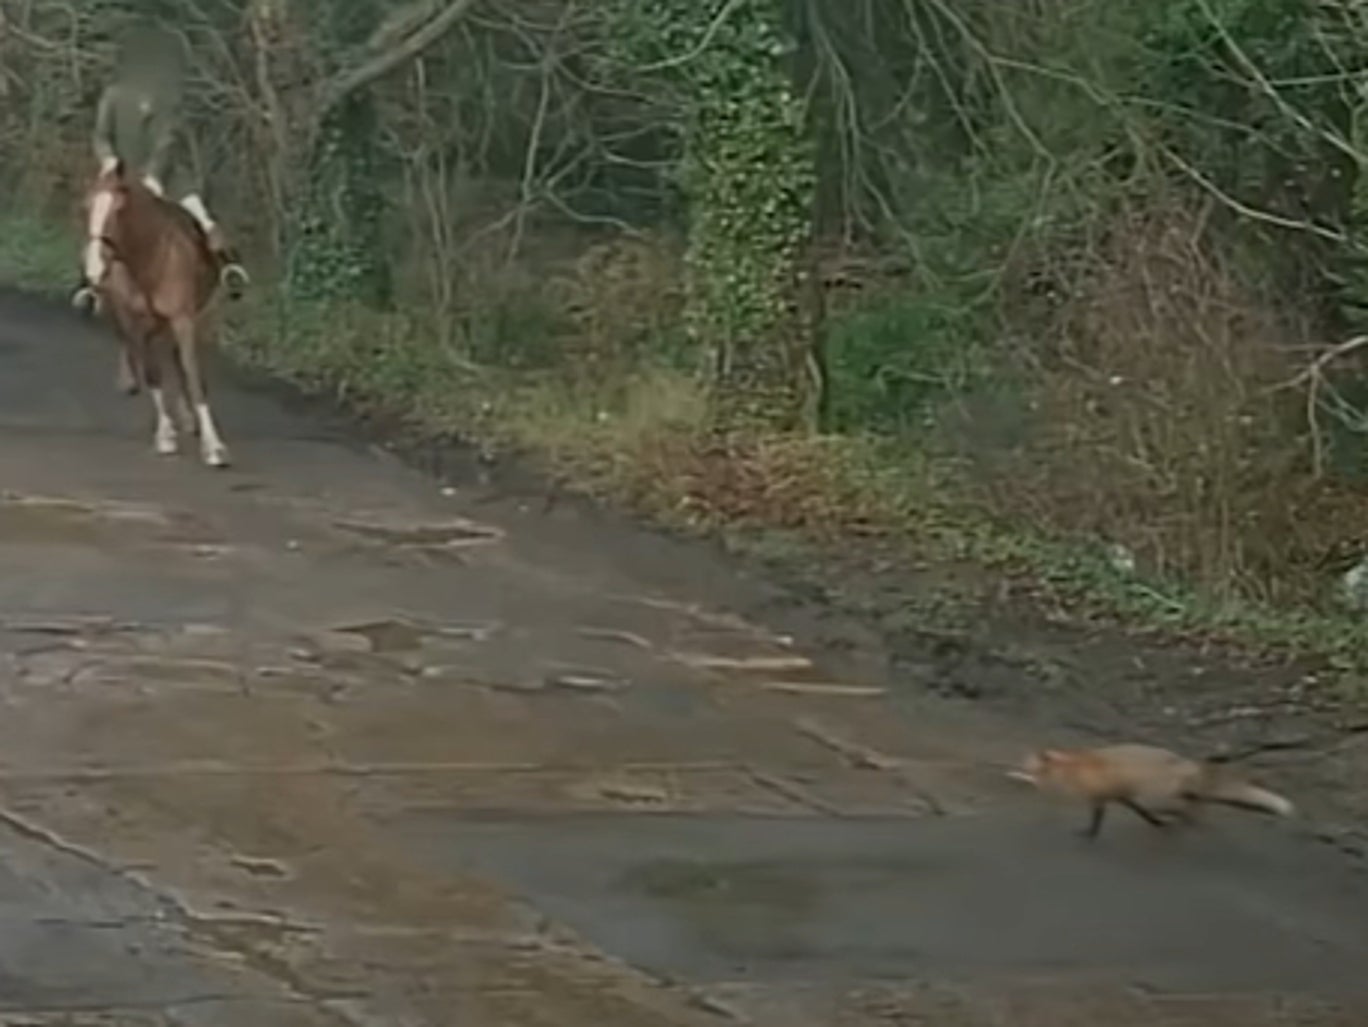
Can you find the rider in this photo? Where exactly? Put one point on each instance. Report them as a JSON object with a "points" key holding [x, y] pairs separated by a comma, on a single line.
{"points": [[138, 122]]}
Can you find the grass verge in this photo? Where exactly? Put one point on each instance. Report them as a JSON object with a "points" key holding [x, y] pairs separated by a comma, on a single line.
{"points": [[36, 254], [635, 438]]}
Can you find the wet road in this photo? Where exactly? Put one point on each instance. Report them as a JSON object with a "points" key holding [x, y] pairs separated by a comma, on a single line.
{"points": [[314, 742]]}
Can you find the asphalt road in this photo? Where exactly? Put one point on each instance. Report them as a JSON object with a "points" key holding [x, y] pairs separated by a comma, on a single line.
{"points": [[317, 741]]}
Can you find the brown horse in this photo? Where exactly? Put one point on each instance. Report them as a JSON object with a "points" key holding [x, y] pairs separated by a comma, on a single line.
{"points": [[154, 271]]}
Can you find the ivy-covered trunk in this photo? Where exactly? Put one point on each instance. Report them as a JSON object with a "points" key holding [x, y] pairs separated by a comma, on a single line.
{"points": [[335, 247], [749, 181]]}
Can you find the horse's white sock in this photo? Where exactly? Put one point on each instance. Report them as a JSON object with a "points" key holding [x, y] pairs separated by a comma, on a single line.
{"points": [[164, 438], [215, 453]]}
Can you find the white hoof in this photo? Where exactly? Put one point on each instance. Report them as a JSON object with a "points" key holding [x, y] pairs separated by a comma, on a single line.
{"points": [[216, 456], [164, 435]]}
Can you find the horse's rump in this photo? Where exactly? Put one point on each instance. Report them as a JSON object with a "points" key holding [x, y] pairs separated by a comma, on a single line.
{"points": [[165, 250]]}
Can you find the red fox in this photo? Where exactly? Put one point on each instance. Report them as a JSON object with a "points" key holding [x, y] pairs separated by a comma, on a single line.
{"points": [[1152, 783]]}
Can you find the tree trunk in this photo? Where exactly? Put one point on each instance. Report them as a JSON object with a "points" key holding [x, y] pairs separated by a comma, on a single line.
{"points": [[319, 124]]}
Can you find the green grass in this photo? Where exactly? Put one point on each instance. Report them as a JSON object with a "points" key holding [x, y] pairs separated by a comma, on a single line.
{"points": [[35, 254]]}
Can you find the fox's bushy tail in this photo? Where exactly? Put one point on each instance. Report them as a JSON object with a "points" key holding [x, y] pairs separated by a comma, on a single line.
{"points": [[1244, 795]]}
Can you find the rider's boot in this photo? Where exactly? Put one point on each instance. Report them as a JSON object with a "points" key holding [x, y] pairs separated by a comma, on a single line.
{"points": [[232, 275], [83, 297]]}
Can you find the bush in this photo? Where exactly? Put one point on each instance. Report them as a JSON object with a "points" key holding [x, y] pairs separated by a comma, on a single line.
{"points": [[35, 252], [892, 360]]}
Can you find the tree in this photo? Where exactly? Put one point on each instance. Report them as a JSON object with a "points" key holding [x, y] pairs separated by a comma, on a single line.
{"points": [[748, 177], [313, 65]]}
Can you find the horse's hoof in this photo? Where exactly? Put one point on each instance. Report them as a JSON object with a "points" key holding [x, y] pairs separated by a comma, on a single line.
{"points": [[165, 445], [217, 457]]}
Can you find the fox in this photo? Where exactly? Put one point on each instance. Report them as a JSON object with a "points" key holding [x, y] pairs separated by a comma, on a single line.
{"points": [[1158, 786]]}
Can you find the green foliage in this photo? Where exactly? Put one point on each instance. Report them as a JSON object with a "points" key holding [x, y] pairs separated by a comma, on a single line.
{"points": [[987, 173], [516, 331], [1249, 88], [891, 361], [1263, 98], [749, 179], [338, 248], [36, 254]]}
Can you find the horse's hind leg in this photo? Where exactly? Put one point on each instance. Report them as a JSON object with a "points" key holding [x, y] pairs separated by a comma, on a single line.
{"points": [[212, 448]]}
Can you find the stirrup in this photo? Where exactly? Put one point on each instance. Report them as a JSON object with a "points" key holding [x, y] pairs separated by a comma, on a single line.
{"points": [[234, 269], [234, 278]]}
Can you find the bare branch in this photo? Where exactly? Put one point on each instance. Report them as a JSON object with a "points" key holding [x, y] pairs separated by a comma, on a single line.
{"points": [[350, 80], [1313, 377]]}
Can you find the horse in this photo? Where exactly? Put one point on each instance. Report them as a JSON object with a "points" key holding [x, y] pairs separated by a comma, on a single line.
{"points": [[153, 270]]}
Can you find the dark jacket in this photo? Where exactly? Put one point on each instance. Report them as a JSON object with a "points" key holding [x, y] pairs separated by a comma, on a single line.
{"points": [[140, 125]]}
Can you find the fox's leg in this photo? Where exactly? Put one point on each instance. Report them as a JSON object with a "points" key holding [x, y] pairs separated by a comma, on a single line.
{"points": [[1099, 813], [1142, 813]]}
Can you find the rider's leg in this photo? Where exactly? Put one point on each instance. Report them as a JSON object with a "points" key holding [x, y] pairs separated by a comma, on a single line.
{"points": [[234, 274], [195, 205]]}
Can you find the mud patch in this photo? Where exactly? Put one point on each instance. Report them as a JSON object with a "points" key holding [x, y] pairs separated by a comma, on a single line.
{"points": [[585, 680], [37, 520], [387, 636], [401, 635], [456, 534], [269, 869]]}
